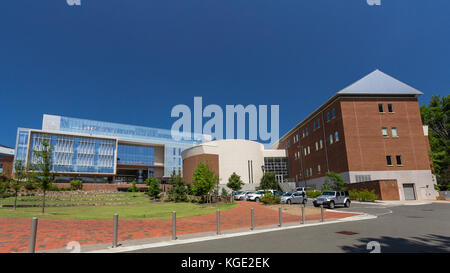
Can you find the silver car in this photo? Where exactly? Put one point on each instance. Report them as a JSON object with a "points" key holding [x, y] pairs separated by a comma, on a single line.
{"points": [[243, 195], [332, 198], [294, 198]]}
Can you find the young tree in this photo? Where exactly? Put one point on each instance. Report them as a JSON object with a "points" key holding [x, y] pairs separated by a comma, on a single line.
{"points": [[339, 184], [20, 177], [224, 192], [203, 180], [133, 187], [43, 167], [153, 187], [178, 193], [269, 182], [234, 182]]}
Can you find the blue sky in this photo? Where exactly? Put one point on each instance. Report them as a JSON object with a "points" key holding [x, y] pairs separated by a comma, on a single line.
{"points": [[132, 61]]}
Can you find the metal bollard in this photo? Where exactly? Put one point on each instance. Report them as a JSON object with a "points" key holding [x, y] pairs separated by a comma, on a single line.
{"points": [[280, 216], [32, 246], [253, 219], [218, 222], [303, 213], [116, 229], [321, 211], [174, 225]]}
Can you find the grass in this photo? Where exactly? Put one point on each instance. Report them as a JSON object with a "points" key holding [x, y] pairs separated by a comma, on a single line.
{"points": [[141, 208]]}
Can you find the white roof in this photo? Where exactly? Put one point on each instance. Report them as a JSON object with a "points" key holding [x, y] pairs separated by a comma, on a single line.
{"points": [[379, 83], [5, 150]]}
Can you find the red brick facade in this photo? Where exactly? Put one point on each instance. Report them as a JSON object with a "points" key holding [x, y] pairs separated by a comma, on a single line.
{"points": [[7, 162], [190, 163]]}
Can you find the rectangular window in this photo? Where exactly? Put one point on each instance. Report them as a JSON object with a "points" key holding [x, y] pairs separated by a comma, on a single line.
{"points": [[321, 144], [336, 136], [303, 133], [304, 151], [1, 168], [318, 168], [389, 160], [333, 113], [380, 108], [306, 131], [384, 132], [309, 150], [390, 108], [394, 132], [318, 123], [317, 146], [328, 116], [310, 171], [314, 126], [331, 139], [399, 159]]}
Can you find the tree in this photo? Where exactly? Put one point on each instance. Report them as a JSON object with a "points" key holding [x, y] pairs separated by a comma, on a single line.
{"points": [[203, 180], [133, 187], [436, 116], [19, 180], [178, 192], [224, 192], [234, 182], [43, 167], [269, 182], [76, 184], [339, 184], [153, 187]]}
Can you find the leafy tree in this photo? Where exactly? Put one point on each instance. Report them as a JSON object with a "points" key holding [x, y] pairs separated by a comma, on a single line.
{"points": [[269, 182], [234, 182], [436, 116], [43, 167], [133, 187], [203, 180], [19, 180], [339, 184], [327, 186], [76, 184], [153, 187], [224, 192], [178, 192]]}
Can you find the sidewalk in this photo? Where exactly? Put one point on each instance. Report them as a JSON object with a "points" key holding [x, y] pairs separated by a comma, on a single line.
{"points": [[56, 234]]}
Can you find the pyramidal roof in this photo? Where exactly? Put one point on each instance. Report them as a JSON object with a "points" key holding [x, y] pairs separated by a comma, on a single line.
{"points": [[379, 83]]}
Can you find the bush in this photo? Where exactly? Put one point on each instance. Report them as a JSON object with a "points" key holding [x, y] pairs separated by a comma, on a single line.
{"points": [[363, 196], [270, 199], [76, 184], [313, 193], [133, 187]]}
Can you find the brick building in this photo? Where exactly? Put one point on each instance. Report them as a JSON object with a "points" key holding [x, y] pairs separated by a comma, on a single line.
{"points": [[370, 130], [6, 161]]}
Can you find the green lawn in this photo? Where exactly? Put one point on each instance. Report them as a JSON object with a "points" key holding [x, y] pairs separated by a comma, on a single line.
{"points": [[141, 208]]}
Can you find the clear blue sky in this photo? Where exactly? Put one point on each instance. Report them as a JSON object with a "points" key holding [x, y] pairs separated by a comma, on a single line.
{"points": [[132, 61]]}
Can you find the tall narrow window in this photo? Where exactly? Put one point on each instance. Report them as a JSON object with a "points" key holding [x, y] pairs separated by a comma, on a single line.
{"points": [[384, 132], [314, 126], [399, 159], [390, 108], [389, 160], [394, 132], [306, 131], [333, 113], [303, 133], [317, 146], [309, 150], [331, 139], [304, 151], [380, 108], [321, 144], [336, 136], [328, 116], [318, 168], [318, 123]]}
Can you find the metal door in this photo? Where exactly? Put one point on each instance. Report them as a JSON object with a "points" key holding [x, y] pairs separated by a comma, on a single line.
{"points": [[409, 192]]}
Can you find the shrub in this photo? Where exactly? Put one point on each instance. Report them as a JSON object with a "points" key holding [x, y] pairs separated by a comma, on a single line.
{"points": [[224, 192], [133, 187], [76, 184], [270, 199], [313, 193], [363, 195]]}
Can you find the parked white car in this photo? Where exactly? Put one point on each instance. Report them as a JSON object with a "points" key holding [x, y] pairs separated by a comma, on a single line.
{"points": [[256, 196], [241, 195]]}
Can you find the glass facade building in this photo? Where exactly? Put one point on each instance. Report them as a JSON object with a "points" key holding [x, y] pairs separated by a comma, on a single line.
{"points": [[87, 147]]}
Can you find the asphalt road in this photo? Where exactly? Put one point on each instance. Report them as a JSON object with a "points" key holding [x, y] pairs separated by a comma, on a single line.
{"points": [[407, 228]]}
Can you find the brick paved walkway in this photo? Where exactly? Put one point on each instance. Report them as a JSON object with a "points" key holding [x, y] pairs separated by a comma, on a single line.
{"points": [[56, 233]]}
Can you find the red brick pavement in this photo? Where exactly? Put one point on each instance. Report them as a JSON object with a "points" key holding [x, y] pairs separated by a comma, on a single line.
{"points": [[56, 233]]}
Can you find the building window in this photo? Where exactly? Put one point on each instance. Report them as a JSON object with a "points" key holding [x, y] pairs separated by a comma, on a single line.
{"points": [[380, 108], [321, 144], [390, 108], [336, 136], [318, 168], [331, 139], [304, 151], [318, 123], [399, 159], [309, 150], [328, 116], [384, 132], [314, 126], [389, 160], [394, 132], [306, 131], [1, 168], [310, 172], [333, 113], [317, 146], [303, 133]]}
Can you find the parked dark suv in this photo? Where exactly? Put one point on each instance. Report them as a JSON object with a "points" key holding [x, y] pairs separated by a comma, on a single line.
{"points": [[332, 198]]}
